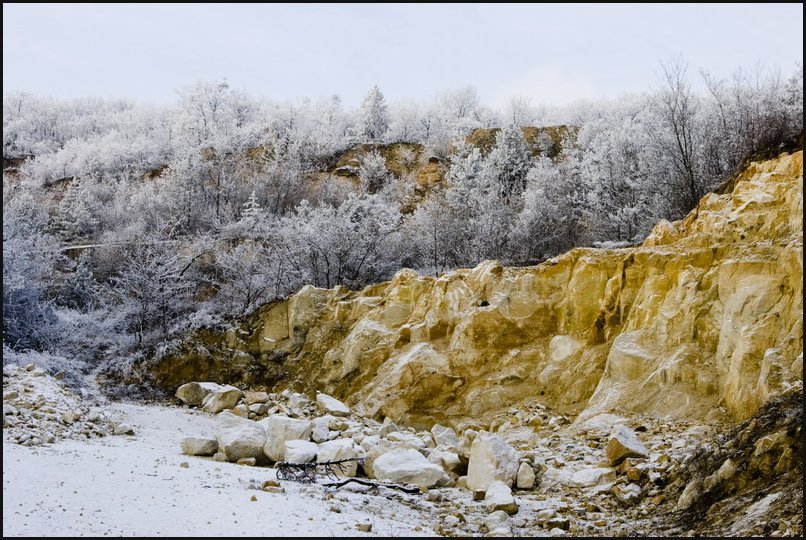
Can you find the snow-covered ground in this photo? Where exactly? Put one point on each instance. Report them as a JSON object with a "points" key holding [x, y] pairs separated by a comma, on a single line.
{"points": [[134, 486]]}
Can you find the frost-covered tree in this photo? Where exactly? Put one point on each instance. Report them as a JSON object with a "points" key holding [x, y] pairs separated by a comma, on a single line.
{"points": [[373, 173], [76, 215], [252, 211], [508, 163], [373, 119]]}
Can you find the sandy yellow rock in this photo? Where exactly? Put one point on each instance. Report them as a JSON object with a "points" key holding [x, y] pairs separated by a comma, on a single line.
{"points": [[706, 313]]}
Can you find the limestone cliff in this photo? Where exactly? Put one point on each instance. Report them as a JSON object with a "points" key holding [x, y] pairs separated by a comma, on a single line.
{"points": [[703, 320]]}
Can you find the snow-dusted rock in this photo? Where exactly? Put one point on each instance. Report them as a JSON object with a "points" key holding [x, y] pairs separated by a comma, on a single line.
{"points": [[629, 493], [224, 398], [239, 438], [408, 466], [340, 449], [445, 436], [491, 458], [499, 497], [592, 477], [498, 524], [624, 443], [387, 427], [526, 477], [123, 429], [446, 459], [321, 429], [199, 446], [280, 429], [253, 398], [193, 393], [332, 405], [406, 438], [298, 451]]}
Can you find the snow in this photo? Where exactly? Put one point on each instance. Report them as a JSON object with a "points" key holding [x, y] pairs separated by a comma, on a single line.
{"points": [[134, 486]]}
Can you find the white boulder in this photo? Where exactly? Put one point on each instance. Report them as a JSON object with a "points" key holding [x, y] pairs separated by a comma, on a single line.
{"points": [[338, 450], [280, 429], [199, 446], [499, 497], [332, 405], [297, 451], [225, 397], [408, 466], [491, 458], [526, 477], [239, 438], [193, 393]]}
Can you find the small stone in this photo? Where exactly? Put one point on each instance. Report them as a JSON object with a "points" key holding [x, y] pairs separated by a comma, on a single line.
{"points": [[634, 474], [184, 465], [434, 496], [499, 497], [253, 498], [220, 456], [123, 429], [248, 461], [624, 443], [557, 532], [526, 477], [478, 495], [364, 527], [272, 489], [270, 483], [546, 514]]}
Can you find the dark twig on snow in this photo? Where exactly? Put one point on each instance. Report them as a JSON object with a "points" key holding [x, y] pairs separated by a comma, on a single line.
{"points": [[403, 488]]}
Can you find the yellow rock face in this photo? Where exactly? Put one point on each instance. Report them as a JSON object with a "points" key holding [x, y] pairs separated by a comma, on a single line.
{"points": [[704, 319]]}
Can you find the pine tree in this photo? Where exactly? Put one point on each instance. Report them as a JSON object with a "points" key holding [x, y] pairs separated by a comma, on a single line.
{"points": [[252, 210], [373, 121], [509, 162], [76, 217]]}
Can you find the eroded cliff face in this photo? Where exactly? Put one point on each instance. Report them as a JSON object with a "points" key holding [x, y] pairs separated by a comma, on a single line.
{"points": [[704, 320]]}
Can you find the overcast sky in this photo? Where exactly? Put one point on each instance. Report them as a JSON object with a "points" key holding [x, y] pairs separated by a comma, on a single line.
{"points": [[551, 53]]}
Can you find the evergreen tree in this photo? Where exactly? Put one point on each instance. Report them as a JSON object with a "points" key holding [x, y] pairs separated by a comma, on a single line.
{"points": [[373, 121]]}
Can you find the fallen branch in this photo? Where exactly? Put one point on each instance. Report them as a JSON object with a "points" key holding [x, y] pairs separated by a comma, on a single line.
{"points": [[400, 487], [308, 472]]}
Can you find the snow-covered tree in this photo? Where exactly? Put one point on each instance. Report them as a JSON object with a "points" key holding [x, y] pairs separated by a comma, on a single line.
{"points": [[373, 119], [508, 163], [252, 211], [76, 215]]}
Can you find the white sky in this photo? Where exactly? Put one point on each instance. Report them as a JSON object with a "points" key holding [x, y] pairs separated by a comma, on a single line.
{"points": [[552, 53]]}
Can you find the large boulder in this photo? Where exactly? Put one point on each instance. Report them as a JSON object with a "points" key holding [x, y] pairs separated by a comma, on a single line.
{"points": [[499, 497], [445, 436], [623, 444], [239, 438], [280, 429], [491, 458], [332, 405], [321, 429], [199, 446], [225, 397], [446, 459], [408, 466], [193, 393], [338, 450], [297, 451]]}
